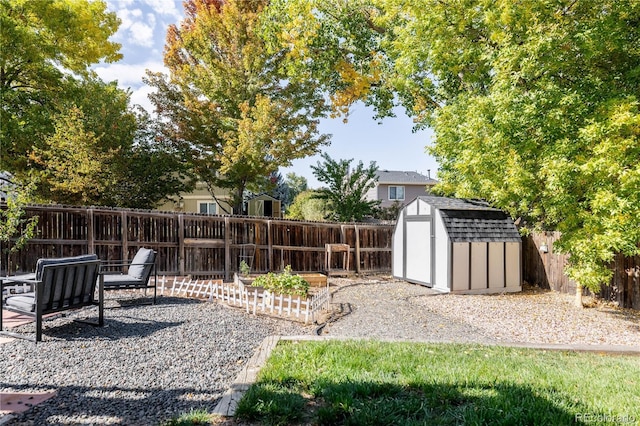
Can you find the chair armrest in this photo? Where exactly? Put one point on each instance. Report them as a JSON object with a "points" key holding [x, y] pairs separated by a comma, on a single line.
{"points": [[107, 264], [115, 268], [115, 265], [8, 282]]}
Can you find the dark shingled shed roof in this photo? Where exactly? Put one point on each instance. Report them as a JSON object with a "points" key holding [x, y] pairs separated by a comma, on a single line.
{"points": [[473, 221]]}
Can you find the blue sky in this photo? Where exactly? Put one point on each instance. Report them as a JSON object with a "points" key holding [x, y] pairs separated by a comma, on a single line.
{"points": [[390, 143]]}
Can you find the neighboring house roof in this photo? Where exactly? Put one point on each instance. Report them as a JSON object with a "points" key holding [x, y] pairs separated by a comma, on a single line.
{"points": [[467, 220], [403, 178], [262, 196]]}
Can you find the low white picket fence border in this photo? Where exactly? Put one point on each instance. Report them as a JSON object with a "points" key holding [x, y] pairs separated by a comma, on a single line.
{"points": [[253, 300]]}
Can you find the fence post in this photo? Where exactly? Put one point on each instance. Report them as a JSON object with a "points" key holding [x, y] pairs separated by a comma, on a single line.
{"points": [[269, 247], [181, 253], [91, 239], [357, 249], [125, 235], [227, 249]]}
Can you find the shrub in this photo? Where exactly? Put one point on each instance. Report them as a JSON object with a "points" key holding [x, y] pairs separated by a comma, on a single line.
{"points": [[283, 283], [245, 269]]}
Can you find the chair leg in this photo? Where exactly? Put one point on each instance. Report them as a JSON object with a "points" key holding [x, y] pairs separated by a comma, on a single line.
{"points": [[38, 302], [155, 282], [39, 327], [100, 322], [101, 301], [1, 301]]}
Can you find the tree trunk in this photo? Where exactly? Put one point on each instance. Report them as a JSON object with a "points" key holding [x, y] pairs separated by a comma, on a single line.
{"points": [[238, 200], [578, 300]]}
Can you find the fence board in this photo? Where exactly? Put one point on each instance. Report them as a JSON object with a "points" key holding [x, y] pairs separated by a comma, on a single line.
{"points": [[203, 246], [548, 271]]}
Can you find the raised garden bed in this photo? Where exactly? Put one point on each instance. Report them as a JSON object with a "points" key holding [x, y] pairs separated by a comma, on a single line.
{"points": [[316, 281]]}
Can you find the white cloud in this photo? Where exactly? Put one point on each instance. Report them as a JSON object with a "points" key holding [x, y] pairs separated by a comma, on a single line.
{"points": [[130, 78], [128, 17], [166, 7], [139, 97], [136, 26], [128, 75], [115, 4], [141, 33]]}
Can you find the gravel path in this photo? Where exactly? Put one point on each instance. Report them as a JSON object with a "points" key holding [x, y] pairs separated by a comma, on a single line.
{"points": [[151, 363], [385, 308], [148, 364]]}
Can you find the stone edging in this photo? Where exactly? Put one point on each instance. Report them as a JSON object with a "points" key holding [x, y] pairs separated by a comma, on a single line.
{"points": [[229, 402]]}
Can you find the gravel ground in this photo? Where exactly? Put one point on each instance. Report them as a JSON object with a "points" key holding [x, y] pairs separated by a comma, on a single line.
{"points": [[385, 309], [150, 363], [406, 311], [147, 364]]}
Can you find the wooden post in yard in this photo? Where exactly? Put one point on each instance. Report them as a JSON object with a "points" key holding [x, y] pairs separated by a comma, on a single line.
{"points": [[270, 247], [125, 236], [91, 240], [181, 249], [357, 249], [227, 249]]}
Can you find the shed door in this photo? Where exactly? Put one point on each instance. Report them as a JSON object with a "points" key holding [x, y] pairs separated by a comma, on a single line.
{"points": [[417, 251], [267, 210]]}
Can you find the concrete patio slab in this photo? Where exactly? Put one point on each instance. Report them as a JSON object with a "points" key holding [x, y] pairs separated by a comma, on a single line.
{"points": [[17, 402], [14, 319]]}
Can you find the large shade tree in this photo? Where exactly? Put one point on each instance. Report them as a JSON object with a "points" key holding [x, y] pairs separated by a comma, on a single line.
{"points": [[534, 104], [103, 152], [73, 136], [148, 171], [43, 42], [229, 106]]}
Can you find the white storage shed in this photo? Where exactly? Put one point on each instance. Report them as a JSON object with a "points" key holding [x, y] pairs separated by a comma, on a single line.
{"points": [[457, 246]]}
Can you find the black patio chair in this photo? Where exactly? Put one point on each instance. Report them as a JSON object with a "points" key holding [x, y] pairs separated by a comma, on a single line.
{"points": [[133, 274], [58, 286]]}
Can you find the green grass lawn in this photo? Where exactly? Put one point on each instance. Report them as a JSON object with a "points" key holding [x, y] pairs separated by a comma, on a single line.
{"points": [[368, 382]]}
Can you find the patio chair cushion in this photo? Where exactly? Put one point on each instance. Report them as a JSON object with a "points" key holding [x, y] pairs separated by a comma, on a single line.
{"points": [[53, 261], [23, 302], [120, 280], [141, 263]]}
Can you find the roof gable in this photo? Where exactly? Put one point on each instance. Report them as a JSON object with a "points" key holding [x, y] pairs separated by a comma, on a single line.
{"points": [[262, 196], [475, 221], [401, 177]]}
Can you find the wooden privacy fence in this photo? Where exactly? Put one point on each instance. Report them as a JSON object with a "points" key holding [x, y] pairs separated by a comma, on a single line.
{"points": [[547, 269], [201, 245]]}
